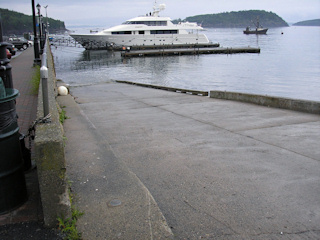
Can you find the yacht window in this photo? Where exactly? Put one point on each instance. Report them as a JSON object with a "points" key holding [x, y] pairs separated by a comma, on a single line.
{"points": [[148, 23], [156, 23], [123, 32], [141, 32], [164, 31]]}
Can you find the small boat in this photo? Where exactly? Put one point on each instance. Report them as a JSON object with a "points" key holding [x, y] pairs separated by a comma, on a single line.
{"points": [[258, 30]]}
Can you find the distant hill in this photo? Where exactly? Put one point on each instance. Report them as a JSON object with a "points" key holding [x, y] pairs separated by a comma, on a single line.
{"points": [[19, 23], [240, 19], [315, 22]]}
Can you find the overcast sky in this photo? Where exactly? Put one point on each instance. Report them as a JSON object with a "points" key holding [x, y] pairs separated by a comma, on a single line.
{"points": [[105, 13]]}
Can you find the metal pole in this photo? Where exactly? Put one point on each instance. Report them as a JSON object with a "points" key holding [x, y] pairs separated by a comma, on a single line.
{"points": [[37, 60], [40, 30], [1, 38], [44, 81], [43, 37], [47, 25]]}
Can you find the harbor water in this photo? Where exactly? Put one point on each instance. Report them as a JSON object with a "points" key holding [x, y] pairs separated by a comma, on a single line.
{"points": [[287, 66]]}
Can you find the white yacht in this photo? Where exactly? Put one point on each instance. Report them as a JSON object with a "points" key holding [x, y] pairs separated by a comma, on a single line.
{"points": [[147, 30]]}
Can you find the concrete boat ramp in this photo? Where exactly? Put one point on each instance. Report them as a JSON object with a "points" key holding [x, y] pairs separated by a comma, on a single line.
{"points": [[152, 164]]}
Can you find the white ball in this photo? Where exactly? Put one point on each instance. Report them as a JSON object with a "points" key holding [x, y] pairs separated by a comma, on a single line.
{"points": [[63, 91]]}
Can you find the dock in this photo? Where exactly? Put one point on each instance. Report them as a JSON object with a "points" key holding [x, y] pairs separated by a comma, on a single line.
{"points": [[188, 51], [169, 46]]}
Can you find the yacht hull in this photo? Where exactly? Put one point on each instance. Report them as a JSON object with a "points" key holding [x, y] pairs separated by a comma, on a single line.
{"points": [[95, 41]]}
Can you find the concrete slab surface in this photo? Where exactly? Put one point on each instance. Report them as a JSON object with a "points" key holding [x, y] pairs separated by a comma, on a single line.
{"points": [[116, 205], [216, 169]]}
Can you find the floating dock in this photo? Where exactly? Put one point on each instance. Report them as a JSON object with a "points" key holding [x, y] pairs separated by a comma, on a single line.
{"points": [[188, 51], [172, 46]]}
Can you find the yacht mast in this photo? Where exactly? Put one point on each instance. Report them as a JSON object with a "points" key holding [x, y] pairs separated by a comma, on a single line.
{"points": [[157, 9]]}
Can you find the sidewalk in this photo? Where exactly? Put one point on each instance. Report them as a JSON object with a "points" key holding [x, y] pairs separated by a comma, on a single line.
{"points": [[26, 221]]}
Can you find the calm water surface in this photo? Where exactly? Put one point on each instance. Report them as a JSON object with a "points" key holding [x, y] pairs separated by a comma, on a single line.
{"points": [[288, 65]]}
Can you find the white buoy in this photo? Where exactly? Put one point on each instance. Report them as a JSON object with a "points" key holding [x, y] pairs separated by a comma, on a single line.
{"points": [[62, 91]]}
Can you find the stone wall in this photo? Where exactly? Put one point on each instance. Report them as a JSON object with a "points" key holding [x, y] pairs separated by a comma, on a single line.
{"points": [[50, 157]]}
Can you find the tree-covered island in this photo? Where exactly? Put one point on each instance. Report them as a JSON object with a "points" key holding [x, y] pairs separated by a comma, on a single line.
{"points": [[19, 23], [240, 19], [311, 23]]}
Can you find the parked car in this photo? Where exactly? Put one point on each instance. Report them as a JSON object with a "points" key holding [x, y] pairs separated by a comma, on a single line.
{"points": [[11, 49], [30, 43], [19, 43], [8, 54]]}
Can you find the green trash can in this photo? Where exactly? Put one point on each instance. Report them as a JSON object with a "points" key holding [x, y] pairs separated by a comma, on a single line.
{"points": [[13, 190]]}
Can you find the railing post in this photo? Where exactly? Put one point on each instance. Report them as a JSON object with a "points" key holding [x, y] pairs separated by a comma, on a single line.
{"points": [[44, 81]]}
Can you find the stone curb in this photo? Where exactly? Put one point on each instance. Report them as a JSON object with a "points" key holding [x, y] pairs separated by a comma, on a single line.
{"points": [[50, 156], [270, 101]]}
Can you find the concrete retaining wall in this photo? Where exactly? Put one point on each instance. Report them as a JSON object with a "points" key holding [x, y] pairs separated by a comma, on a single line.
{"points": [[49, 155], [270, 101]]}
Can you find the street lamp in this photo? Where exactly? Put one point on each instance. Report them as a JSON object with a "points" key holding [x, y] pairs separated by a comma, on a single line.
{"points": [[40, 28], [37, 60]]}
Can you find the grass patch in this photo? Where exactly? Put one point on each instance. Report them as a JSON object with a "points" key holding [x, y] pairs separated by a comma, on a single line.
{"points": [[68, 225], [62, 115], [35, 81]]}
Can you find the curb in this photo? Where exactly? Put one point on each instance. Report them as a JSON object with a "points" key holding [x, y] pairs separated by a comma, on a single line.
{"points": [[270, 101]]}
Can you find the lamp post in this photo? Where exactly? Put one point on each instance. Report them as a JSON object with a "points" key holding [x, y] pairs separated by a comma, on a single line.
{"points": [[40, 28], [37, 60]]}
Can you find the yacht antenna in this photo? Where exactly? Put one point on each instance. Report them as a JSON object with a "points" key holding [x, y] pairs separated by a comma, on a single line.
{"points": [[157, 9]]}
